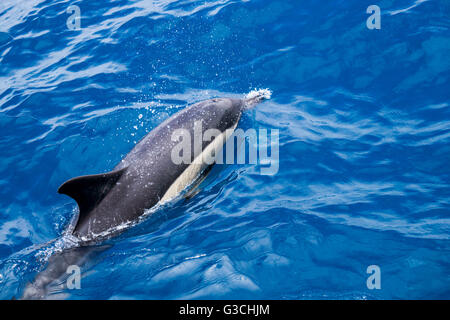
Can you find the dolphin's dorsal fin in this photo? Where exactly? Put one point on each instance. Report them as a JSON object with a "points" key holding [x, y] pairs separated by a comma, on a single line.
{"points": [[88, 191]]}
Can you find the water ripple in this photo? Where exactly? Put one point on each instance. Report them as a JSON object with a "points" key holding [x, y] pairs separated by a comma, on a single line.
{"points": [[363, 117]]}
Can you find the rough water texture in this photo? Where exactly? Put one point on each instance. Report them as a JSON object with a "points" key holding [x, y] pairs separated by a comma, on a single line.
{"points": [[364, 120]]}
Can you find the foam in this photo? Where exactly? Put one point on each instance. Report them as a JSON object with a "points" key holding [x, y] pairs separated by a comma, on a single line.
{"points": [[264, 93]]}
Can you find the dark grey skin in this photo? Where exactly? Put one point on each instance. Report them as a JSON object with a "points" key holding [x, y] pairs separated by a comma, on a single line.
{"points": [[136, 184], [142, 178]]}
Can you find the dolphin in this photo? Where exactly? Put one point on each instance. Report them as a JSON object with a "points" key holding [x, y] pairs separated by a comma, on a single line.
{"points": [[146, 177]]}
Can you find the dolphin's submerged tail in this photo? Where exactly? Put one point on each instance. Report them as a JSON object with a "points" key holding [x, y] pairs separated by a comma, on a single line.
{"points": [[256, 96]]}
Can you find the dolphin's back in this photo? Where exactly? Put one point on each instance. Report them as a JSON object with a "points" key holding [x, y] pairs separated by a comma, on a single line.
{"points": [[148, 172]]}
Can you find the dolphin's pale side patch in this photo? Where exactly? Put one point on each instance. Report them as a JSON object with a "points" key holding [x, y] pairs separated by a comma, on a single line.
{"points": [[197, 166]]}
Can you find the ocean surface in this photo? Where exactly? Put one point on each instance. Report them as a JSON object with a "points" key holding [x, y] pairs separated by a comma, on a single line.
{"points": [[364, 145]]}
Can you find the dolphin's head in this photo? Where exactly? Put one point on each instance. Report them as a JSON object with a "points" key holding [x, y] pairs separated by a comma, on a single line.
{"points": [[230, 110]]}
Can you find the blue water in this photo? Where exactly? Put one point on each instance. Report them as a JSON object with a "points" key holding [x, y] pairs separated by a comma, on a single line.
{"points": [[364, 122]]}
